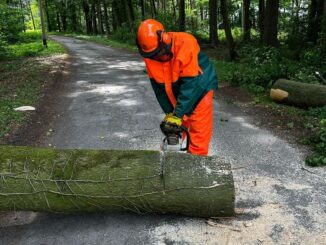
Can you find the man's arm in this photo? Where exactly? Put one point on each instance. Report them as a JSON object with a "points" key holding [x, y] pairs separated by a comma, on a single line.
{"points": [[161, 96]]}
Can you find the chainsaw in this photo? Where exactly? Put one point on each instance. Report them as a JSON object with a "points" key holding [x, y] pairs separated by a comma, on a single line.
{"points": [[173, 138]]}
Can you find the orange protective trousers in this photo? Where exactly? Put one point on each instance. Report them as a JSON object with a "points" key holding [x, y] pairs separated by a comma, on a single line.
{"points": [[200, 125]]}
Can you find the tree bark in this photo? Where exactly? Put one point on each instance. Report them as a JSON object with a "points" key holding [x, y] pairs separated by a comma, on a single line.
{"points": [[99, 17], [130, 14], [227, 29], [23, 15], [48, 19], [106, 18], [315, 19], [73, 16], [88, 19], [261, 19], [323, 32], [213, 36], [182, 16], [94, 23], [153, 9], [246, 19], [32, 16], [103, 180], [270, 23], [142, 8], [58, 21], [298, 94]]}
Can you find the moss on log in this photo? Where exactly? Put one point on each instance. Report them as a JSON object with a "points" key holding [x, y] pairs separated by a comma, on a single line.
{"points": [[107, 180], [298, 94]]}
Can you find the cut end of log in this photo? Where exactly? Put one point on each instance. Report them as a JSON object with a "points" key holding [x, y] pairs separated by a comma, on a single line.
{"points": [[278, 94]]}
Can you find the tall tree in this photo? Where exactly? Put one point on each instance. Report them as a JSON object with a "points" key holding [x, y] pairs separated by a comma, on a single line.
{"points": [[32, 16], [73, 16], [227, 29], [106, 18], [323, 32], [99, 17], [142, 8], [88, 19], [94, 23], [23, 15], [47, 13], [153, 9], [271, 22], [213, 36], [261, 17], [182, 16], [314, 20], [246, 19]]}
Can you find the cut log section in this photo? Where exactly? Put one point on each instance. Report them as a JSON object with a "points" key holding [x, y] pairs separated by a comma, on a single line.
{"points": [[298, 94], [66, 181]]}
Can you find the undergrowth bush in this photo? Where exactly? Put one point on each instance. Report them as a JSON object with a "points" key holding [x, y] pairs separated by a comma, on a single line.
{"points": [[318, 158], [263, 65]]}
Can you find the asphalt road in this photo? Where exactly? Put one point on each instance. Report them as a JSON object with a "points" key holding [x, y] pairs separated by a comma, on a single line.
{"points": [[108, 104]]}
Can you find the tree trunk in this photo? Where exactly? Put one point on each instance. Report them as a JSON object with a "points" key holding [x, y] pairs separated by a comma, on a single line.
{"points": [[130, 14], [261, 19], [153, 9], [227, 29], [23, 17], [88, 19], [313, 21], [94, 23], [246, 20], [142, 8], [106, 18], [102, 180], [182, 16], [58, 21], [174, 11], [213, 36], [32, 16], [48, 19], [323, 32], [270, 23], [73, 16], [64, 18], [116, 15], [298, 94], [99, 17]]}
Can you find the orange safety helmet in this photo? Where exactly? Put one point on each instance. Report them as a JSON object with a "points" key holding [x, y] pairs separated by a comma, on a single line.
{"points": [[151, 38]]}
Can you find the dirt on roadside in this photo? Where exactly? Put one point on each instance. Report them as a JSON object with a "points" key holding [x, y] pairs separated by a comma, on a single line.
{"points": [[289, 126], [47, 108]]}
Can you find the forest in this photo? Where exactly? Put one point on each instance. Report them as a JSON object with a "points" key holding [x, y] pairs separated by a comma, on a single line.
{"points": [[253, 43]]}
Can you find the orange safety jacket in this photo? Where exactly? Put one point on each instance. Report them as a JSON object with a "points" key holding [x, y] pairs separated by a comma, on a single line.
{"points": [[179, 84]]}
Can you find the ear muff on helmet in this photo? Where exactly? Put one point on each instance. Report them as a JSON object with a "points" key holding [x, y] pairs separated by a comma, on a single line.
{"points": [[164, 41], [164, 37]]}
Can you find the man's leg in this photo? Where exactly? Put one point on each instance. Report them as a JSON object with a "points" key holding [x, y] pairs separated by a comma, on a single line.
{"points": [[200, 125]]}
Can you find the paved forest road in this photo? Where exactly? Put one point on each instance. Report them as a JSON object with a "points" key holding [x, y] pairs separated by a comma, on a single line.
{"points": [[108, 103]]}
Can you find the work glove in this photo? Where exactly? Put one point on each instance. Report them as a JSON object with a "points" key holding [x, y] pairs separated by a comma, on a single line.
{"points": [[171, 124]]}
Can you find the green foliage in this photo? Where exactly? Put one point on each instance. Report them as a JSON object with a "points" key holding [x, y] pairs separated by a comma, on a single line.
{"points": [[30, 44], [318, 158], [318, 112], [10, 22], [3, 47], [263, 65], [123, 34]]}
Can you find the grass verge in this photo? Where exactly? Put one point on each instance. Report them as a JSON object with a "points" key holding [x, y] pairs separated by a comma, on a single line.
{"points": [[22, 77]]}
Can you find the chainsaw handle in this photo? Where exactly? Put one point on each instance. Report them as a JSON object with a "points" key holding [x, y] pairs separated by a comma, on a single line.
{"points": [[184, 129]]}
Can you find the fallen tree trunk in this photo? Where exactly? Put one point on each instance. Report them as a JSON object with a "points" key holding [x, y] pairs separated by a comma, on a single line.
{"points": [[298, 94], [106, 180]]}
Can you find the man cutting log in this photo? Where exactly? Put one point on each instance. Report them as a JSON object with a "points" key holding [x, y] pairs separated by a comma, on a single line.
{"points": [[183, 80]]}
